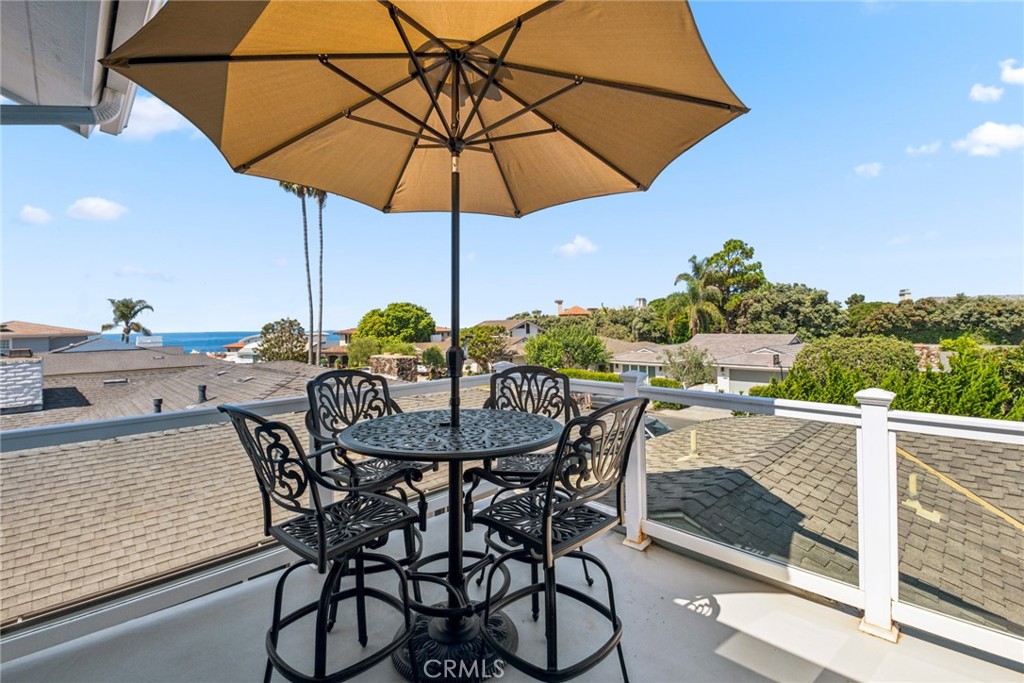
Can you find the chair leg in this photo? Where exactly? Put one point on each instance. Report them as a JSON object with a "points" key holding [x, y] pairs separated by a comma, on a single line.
{"points": [[275, 619], [361, 599], [586, 573], [535, 598], [550, 616], [322, 616]]}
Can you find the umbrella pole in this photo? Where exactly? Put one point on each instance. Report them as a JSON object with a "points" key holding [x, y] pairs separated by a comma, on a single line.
{"points": [[455, 354]]}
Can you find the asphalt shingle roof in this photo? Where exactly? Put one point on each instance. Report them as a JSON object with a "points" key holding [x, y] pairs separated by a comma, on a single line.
{"points": [[86, 518], [20, 328], [786, 489]]}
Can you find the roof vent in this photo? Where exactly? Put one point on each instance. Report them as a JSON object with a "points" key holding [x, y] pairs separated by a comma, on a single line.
{"points": [[120, 380], [244, 379], [221, 372]]}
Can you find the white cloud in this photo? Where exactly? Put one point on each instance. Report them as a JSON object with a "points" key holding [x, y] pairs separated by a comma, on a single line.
{"points": [[142, 273], [579, 245], [150, 117], [899, 239], [96, 209], [868, 170], [930, 148], [986, 93], [34, 215], [1010, 75], [989, 139]]}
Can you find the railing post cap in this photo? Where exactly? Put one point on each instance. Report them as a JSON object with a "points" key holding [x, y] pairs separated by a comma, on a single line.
{"points": [[634, 376], [502, 366], [875, 397]]}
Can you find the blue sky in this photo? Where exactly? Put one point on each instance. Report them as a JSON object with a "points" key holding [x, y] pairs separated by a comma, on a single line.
{"points": [[883, 151]]}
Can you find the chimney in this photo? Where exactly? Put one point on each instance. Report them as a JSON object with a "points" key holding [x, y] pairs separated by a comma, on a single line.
{"points": [[641, 302], [905, 295], [202, 393], [158, 405], [558, 302]]}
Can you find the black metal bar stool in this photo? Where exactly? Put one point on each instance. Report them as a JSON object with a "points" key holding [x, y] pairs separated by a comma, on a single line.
{"points": [[333, 537], [553, 519]]}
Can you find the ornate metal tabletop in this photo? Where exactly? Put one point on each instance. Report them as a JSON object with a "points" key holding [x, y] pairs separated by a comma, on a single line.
{"points": [[428, 435]]}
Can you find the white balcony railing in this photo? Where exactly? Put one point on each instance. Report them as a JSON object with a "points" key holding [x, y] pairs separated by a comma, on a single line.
{"points": [[877, 589]]}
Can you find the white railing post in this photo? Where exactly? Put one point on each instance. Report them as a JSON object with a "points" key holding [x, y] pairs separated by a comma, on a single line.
{"points": [[876, 510], [636, 473]]}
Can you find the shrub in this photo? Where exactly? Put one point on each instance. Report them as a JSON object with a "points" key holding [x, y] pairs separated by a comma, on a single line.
{"points": [[668, 383], [576, 373]]}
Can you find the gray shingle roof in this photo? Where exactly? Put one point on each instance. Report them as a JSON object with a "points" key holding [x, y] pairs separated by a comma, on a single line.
{"points": [[786, 489], [123, 361], [132, 508]]}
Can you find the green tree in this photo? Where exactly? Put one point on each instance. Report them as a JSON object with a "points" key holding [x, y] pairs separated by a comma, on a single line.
{"points": [[854, 300], [434, 359], [566, 346], [403, 321], [700, 306], [874, 357], [735, 273], [283, 339], [125, 313], [301, 191], [689, 365], [790, 309], [360, 349], [398, 347], [486, 344]]}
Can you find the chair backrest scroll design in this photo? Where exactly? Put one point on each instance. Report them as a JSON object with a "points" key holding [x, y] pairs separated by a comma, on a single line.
{"points": [[533, 389]]}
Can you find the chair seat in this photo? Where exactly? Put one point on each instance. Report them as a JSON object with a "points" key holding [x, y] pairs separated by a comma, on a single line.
{"points": [[350, 523], [377, 471], [519, 520], [522, 464]]}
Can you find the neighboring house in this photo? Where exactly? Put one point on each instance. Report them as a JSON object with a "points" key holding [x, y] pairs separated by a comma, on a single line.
{"points": [[110, 394], [747, 360], [741, 360], [574, 312], [643, 357], [38, 338], [441, 334], [515, 328], [245, 350]]}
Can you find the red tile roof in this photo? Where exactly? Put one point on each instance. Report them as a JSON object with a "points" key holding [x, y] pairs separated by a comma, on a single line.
{"points": [[575, 310]]}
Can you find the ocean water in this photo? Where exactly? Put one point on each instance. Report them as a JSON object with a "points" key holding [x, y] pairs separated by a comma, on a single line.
{"points": [[204, 342]]}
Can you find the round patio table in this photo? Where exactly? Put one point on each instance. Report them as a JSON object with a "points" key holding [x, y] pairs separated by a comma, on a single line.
{"points": [[449, 647]]}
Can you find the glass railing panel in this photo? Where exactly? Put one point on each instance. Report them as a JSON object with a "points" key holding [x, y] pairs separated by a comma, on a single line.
{"points": [[961, 528], [781, 488]]}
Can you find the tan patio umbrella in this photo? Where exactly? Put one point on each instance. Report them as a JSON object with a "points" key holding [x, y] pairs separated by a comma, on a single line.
{"points": [[500, 108]]}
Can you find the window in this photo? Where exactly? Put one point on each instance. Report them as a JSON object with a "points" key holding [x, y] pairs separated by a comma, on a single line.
{"points": [[5, 346]]}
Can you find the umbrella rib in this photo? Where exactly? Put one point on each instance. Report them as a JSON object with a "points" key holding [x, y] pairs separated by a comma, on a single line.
{"points": [[587, 148], [525, 110], [415, 145], [540, 9], [494, 155], [490, 78], [416, 25], [512, 136], [242, 168], [645, 90], [380, 98], [200, 59], [393, 12]]}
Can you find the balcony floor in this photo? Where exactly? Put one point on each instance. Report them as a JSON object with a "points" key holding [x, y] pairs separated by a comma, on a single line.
{"points": [[684, 620]]}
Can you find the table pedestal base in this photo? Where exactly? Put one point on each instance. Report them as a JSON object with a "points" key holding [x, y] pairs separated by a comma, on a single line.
{"points": [[443, 654]]}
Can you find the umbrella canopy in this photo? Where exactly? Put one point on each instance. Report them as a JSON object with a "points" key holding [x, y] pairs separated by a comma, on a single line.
{"points": [[500, 108]]}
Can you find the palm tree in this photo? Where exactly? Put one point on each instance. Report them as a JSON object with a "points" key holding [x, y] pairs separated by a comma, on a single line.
{"points": [[700, 304], [301, 191], [321, 201], [125, 313]]}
